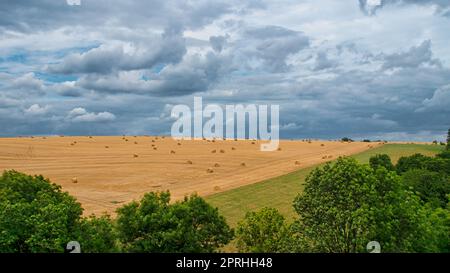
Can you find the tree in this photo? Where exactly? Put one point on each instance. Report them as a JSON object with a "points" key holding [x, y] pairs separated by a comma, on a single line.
{"points": [[346, 139], [97, 235], [154, 225], [444, 154], [448, 140], [345, 205], [419, 161], [262, 232], [35, 215], [416, 161], [381, 160], [432, 187]]}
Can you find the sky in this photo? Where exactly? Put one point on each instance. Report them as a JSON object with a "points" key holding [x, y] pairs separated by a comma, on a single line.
{"points": [[377, 69]]}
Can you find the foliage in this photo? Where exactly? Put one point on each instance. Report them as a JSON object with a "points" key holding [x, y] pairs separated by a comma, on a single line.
{"points": [[444, 155], [154, 225], [381, 160], [97, 235], [35, 215], [345, 205], [432, 187], [261, 231], [448, 139], [419, 161]]}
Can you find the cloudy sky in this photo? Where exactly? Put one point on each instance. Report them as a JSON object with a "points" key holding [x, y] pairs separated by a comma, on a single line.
{"points": [[358, 68]]}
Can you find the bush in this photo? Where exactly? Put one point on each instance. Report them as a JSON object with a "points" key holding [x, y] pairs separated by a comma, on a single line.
{"points": [[261, 232], [381, 160], [154, 225], [35, 215]]}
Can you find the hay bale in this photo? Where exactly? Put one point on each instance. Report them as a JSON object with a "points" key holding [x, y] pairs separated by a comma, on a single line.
{"points": [[135, 142], [217, 188], [279, 149], [172, 152], [106, 147], [179, 144], [297, 163], [74, 180], [155, 148], [209, 170], [213, 151], [135, 155], [217, 165], [330, 156], [222, 151], [153, 140], [322, 144], [324, 157], [253, 142], [233, 148], [189, 162], [243, 164]]}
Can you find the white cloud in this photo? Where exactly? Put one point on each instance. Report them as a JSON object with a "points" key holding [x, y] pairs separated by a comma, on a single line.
{"points": [[81, 115], [37, 110]]}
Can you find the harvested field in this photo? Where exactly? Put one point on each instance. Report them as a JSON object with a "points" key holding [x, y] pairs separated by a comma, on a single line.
{"points": [[108, 178]]}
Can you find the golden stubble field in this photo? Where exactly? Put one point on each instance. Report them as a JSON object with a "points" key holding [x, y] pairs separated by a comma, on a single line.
{"points": [[104, 173]]}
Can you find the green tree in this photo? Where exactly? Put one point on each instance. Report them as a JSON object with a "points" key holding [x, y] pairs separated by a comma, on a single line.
{"points": [[35, 215], [97, 235], [419, 161], [416, 161], [345, 205], [262, 232], [381, 160], [154, 225], [432, 187], [444, 154], [448, 139]]}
